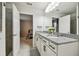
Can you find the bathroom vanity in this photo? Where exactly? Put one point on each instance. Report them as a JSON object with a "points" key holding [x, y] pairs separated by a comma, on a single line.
{"points": [[48, 45]]}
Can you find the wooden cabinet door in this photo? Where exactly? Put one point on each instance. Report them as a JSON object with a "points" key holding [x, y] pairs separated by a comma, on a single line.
{"points": [[39, 45], [43, 48]]}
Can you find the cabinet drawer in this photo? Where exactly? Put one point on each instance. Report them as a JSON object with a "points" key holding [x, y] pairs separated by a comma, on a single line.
{"points": [[45, 41], [53, 47], [50, 52]]}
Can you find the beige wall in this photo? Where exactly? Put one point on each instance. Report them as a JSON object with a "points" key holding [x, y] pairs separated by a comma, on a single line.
{"points": [[25, 26]]}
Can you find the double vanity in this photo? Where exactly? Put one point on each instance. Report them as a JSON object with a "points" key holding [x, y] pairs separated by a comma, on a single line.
{"points": [[54, 45]]}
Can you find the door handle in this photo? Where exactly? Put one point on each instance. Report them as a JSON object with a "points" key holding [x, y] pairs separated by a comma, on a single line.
{"points": [[14, 34], [44, 41]]}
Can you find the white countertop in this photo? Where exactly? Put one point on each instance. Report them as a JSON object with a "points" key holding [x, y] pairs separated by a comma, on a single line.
{"points": [[58, 40]]}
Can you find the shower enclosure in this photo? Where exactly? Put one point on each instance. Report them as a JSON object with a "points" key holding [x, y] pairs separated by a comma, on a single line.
{"points": [[9, 40]]}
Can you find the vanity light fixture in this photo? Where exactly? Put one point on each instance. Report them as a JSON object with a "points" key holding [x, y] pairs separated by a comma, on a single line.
{"points": [[51, 6]]}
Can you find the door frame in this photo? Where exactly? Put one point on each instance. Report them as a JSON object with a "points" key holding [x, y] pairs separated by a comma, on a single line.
{"points": [[3, 29], [32, 29], [16, 34]]}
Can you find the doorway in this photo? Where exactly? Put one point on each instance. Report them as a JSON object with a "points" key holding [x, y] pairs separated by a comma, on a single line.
{"points": [[26, 30]]}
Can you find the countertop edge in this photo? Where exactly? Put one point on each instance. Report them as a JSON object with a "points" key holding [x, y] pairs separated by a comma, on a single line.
{"points": [[56, 42]]}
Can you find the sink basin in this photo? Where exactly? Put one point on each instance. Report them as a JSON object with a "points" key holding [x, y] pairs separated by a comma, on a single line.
{"points": [[51, 37]]}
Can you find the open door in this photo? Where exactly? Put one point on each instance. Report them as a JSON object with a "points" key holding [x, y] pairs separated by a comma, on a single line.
{"points": [[16, 30]]}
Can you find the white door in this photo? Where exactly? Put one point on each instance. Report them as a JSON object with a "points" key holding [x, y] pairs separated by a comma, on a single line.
{"points": [[2, 32], [16, 30]]}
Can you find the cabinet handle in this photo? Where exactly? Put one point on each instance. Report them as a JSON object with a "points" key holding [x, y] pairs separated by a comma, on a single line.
{"points": [[44, 48], [44, 41], [14, 34], [52, 47]]}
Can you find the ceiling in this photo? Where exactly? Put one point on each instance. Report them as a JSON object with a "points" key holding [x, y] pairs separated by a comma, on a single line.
{"points": [[36, 5], [63, 8], [40, 5]]}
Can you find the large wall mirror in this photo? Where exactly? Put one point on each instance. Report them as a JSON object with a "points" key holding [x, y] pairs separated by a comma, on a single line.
{"points": [[68, 24], [66, 12]]}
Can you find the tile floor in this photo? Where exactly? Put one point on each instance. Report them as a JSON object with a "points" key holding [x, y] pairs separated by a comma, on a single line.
{"points": [[27, 50], [27, 41], [24, 50]]}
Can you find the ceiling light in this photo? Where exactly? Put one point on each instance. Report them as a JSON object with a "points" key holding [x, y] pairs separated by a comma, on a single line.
{"points": [[51, 6]]}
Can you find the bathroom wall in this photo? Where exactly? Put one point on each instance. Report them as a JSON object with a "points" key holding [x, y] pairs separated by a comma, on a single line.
{"points": [[0, 16], [78, 18], [9, 41]]}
